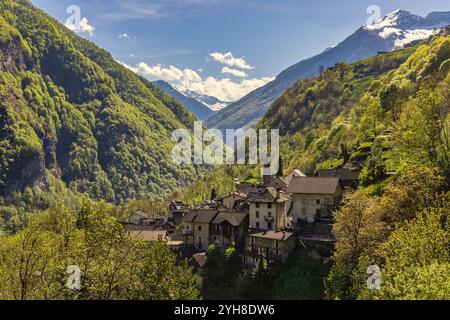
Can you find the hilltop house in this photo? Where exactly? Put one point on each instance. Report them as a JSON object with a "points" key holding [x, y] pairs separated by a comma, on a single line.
{"points": [[278, 183], [314, 197], [248, 187], [294, 173], [202, 228], [231, 200], [268, 209], [349, 178], [273, 246]]}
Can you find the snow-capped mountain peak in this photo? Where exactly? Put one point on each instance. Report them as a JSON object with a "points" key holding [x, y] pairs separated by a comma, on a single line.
{"points": [[402, 27], [212, 102]]}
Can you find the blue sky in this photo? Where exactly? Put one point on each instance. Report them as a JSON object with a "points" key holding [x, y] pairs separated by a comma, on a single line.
{"points": [[191, 38]]}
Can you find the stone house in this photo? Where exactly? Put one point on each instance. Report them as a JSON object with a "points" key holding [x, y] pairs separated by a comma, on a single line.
{"points": [[268, 209], [271, 245], [202, 228], [314, 197], [231, 200], [349, 178]]}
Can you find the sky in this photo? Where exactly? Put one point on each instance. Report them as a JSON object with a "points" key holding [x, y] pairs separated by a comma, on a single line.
{"points": [[224, 48]]}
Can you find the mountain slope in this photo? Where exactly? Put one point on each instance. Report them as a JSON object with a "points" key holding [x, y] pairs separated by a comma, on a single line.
{"points": [[67, 109], [193, 105], [389, 112], [394, 31]]}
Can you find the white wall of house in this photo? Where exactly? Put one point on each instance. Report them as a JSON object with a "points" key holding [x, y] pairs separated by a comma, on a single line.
{"points": [[306, 206], [258, 212]]}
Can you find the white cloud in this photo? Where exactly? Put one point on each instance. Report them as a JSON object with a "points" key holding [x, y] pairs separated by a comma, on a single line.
{"points": [[234, 72], [229, 60], [82, 27], [226, 89], [188, 79], [124, 36]]}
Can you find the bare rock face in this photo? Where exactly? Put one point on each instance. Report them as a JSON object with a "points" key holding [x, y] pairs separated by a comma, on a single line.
{"points": [[29, 171]]}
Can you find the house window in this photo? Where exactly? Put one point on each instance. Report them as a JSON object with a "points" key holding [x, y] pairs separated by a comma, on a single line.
{"points": [[329, 200], [199, 240], [269, 214], [257, 214], [199, 228], [303, 200], [304, 211], [276, 243], [257, 225], [318, 201], [269, 225], [269, 205], [214, 238], [257, 205]]}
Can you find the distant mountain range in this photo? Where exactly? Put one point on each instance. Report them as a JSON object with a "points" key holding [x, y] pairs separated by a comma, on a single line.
{"points": [[199, 109], [394, 31], [210, 101]]}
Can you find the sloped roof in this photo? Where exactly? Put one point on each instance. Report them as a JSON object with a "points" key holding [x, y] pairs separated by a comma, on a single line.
{"points": [[190, 216], [140, 214], [272, 234], [200, 216], [149, 235], [231, 194], [343, 174], [233, 218], [199, 259], [275, 180], [313, 185], [269, 194], [205, 216], [296, 173]]}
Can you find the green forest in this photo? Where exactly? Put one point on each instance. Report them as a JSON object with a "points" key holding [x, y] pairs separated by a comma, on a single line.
{"points": [[69, 110]]}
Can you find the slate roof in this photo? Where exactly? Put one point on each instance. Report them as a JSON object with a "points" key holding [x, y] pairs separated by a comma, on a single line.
{"points": [[314, 185], [343, 174], [149, 235], [200, 216], [272, 234], [269, 195], [233, 218], [199, 259]]}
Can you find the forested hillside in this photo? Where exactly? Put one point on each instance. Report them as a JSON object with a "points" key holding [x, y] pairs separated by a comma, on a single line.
{"points": [[389, 116], [69, 110], [392, 107]]}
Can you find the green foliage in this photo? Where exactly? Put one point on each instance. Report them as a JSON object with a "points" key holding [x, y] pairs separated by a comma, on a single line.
{"points": [[67, 106], [404, 231], [34, 262], [397, 102], [300, 279]]}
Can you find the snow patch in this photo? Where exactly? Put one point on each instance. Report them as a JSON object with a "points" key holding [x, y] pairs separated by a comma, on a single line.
{"points": [[409, 36]]}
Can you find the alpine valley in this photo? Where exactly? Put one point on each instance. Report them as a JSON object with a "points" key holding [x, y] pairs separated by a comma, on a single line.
{"points": [[92, 206]]}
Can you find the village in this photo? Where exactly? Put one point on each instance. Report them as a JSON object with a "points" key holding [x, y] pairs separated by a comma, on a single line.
{"points": [[264, 222]]}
